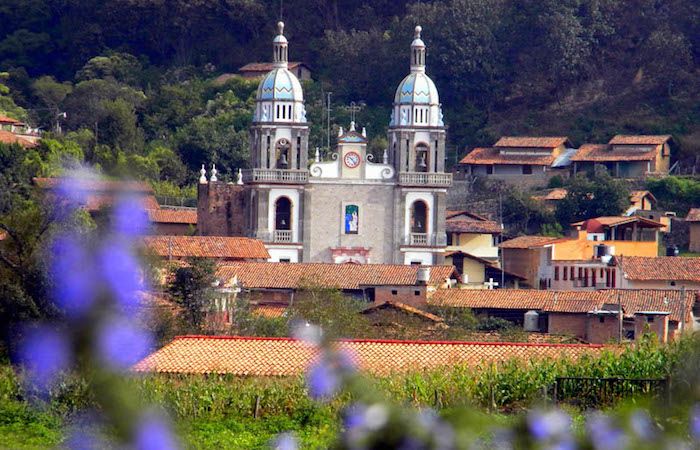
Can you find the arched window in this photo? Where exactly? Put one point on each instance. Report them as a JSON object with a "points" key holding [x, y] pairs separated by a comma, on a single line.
{"points": [[422, 158], [419, 217], [283, 214], [282, 154]]}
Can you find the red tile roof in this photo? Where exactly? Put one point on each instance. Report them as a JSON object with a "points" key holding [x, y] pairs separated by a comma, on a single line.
{"points": [[663, 268], [187, 216], [9, 120], [532, 141], [454, 214], [490, 156], [633, 300], [597, 224], [523, 242], [269, 311], [603, 153], [621, 139], [341, 276], [251, 356], [399, 306], [472, 226], [7, 137], [217, 247], [693, 215]]}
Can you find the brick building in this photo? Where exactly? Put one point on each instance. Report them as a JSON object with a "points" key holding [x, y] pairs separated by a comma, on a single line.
{"points": [[693, 221], [627, 156]]}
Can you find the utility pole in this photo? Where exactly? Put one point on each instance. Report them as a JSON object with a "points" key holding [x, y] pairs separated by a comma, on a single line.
{"points": [[619, 317], [682, 309], [503, 260], [328, 121]]}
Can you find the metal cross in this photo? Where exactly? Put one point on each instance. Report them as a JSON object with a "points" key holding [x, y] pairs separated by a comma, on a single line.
{"points": [[353, 109], [490, 284]]}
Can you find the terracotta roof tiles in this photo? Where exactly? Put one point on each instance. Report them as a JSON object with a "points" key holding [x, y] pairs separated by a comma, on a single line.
{"points": [[532, 141], [472, 226], [250, 356], [186, 216], [9, 120], [523, 242], [217, 247], [7, 137], [390, 304], [271, 275], [622, 139], [661, 268], [490, 156], [604, 153]]}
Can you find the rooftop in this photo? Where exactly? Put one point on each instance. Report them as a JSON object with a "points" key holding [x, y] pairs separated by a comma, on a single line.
{"points": [[633, 300], [7, 137], [492, 155], [597, 224], [255, 356], [219, 247], [622, 139], [408, 309], [693, 215], [604, 153], [272, 275], [532, 141], [664, 268], [186, 216], [472, 226], [523, 242]]}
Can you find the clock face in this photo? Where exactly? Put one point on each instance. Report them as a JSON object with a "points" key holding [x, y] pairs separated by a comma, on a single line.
{"points": [[351, 159]]}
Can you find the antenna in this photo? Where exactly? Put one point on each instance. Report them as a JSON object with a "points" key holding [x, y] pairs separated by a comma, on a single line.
{"points": [[281, 9], [328, 122]]}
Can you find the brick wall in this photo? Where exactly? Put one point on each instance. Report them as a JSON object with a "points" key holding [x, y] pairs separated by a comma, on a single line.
{"points": [[651, 323], [410, 295], [221, 209], [568, 324], [602, 328]]}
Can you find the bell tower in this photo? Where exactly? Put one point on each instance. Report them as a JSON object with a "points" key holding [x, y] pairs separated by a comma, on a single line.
{"points": [[279, 137]]}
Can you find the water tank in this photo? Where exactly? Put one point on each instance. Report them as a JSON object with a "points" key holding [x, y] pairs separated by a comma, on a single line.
{"points": [[532, 321], [423, 276]]}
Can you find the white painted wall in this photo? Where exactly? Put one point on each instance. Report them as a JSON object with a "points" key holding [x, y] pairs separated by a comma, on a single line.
{"points": [[425, 258], [293, 195], [277, 254]]}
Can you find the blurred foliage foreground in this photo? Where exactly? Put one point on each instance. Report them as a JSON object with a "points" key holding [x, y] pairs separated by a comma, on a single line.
{"points": [[494, 406]]}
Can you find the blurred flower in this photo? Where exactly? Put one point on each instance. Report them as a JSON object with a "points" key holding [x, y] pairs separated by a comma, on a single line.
{"points": [[121, 344], [354, 416], [502, 439], [72, 189], [322, 379], [310, 334], [154, 433], [604, 434], [45, 353], [130, 218], [376, 416], [73, 275], [549, 424], [285, 441], [441, 433], [695, 422], [642, 425], [122, 273]]}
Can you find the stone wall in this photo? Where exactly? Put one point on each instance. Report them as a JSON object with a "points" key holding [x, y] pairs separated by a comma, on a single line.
{"points": [[221, 209]]}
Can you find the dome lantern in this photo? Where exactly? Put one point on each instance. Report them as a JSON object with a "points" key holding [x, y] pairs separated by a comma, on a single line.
{"points": [[417, 52], [279, 44]]}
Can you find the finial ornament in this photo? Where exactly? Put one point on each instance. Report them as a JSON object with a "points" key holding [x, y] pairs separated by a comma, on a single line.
{"points": [[364, 132], [385, 157], [417, 31], [340, 131], [280, 27], [203, 175], [352, 125], [239, 179], [213, 173], [317, 157]]}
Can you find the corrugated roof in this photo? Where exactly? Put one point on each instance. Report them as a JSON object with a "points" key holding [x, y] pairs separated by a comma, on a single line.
{"points": [[472, 226], [662, 268], [492, 155], [633, 300], [217, 247], [250, 356], [604, 153], [186, 216], [272, 275], [532, 141], [523, 242], [622, 139]]}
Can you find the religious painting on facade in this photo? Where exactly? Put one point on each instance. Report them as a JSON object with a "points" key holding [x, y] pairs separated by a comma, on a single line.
{"points": [[352, 219]]}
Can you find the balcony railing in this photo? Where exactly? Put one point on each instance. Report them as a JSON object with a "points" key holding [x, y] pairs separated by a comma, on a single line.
{"points": [[425, 179], [282, 236], [426, 240], [275, 176]]}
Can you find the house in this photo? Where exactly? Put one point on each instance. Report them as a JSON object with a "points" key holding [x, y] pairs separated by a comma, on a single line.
{"points": [[287, 357], [529, 257], [277, 283], [627, 156], [693, 220], [95, 194], [218, 248], [173, 221], [593, 316], [660, 272], [552, 197], [528, 160], [260, 69], [620, 235], [473, 234], [13, 131], [480, 273]]}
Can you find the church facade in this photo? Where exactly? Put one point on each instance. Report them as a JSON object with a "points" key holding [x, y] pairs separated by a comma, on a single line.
{"points": [[348, 208]]}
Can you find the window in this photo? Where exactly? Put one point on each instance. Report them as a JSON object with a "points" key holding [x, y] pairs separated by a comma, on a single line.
{"points": [[650, 319], [394, 292], [416, 293], [556, 273], [449, 238], [352, 219], [527, 169], [489, 170], [283, 214], [601, 319], [419, 217], [285, 260], [566, 273]]}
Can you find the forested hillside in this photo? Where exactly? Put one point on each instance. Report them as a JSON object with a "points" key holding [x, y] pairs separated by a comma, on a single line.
{"points": [[135, 77]]}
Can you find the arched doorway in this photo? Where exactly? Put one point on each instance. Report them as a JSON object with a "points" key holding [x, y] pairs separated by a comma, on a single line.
{"points": [[283, 214], [419, 217]]}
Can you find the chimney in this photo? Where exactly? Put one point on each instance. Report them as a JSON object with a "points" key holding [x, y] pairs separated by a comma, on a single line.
{"points": [[423, 276]]}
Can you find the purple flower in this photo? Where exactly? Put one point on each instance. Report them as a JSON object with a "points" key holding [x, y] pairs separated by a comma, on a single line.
{"points": [[130, 219], [121, 271], [547, 425], [154, 433], [73, 189], [603, 434], [285, 441], [354, 416], [695, 422], [44, 353], [642, 425], [74, 278], [322, 380], [121, 344]]}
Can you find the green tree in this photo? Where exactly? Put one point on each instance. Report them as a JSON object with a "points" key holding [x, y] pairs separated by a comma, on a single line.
{"points": [[191, 288], [590, 197]]}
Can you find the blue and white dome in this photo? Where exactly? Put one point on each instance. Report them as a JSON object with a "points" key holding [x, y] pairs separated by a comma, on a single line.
{"points": [[417, 102], [280, 97]]}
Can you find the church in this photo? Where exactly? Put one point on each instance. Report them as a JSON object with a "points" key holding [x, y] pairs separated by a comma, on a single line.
{"points": [[347, 208]]}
